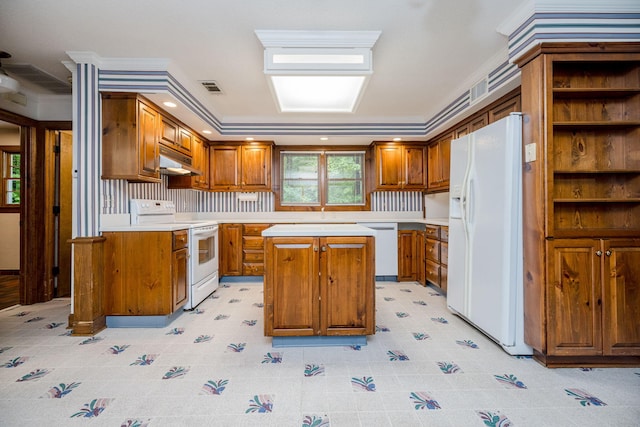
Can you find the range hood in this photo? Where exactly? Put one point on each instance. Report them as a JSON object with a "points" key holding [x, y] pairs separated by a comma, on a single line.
{"points": [[174, 163]]}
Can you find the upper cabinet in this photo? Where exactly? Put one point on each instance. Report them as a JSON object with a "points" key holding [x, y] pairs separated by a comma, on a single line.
{"points": [[400, 166], [200, 162], [240, 166], [439, 148], [130, 132], [133, 129], [439, 155]]}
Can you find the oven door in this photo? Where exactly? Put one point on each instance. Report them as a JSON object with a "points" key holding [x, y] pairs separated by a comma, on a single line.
{"points": [[204, 253]]}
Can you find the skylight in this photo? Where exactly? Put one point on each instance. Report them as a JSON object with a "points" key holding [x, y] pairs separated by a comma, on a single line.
{"points": [[317, 71]]}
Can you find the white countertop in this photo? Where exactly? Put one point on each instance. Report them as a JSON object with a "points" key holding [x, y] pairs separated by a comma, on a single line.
{"points": [[120, 222], [315, 230]]}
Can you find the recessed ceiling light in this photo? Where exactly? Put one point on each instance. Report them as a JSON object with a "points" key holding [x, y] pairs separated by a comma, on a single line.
{"points": [[248, 139], [169, 104], [324, 138], [206, 132], [397, 139]]}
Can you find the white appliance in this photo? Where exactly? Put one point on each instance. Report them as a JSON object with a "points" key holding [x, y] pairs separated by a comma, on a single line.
{"points": [[485, 284], [203, 244], [386, 247]]}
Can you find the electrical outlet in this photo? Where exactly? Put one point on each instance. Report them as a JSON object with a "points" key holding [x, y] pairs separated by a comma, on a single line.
{"points": [[530, 152]]}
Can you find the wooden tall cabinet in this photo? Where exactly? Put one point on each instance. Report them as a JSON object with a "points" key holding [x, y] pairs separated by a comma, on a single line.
{"points": [[581, 200], [319, 286]]}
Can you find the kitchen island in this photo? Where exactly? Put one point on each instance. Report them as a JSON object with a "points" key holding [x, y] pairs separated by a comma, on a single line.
{"points": [[319, 284]]}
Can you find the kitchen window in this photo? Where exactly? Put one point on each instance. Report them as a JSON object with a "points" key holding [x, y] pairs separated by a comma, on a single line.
{"points": [[318, 179], [10, 169]]}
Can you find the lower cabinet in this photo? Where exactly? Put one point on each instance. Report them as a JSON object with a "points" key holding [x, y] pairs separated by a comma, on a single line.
{"points": [[241, 249], [593, 297], [407, 255], [319, 286], [145, 272]]}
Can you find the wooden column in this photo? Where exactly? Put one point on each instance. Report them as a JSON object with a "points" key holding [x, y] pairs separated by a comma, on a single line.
{"points": [[88, 286]]}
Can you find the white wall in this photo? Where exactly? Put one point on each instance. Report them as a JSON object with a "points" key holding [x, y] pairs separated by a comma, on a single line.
{"points": [[10, 222]]}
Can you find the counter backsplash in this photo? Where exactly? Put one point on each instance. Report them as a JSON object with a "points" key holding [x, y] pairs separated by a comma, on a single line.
{"points": [[117, 193]]}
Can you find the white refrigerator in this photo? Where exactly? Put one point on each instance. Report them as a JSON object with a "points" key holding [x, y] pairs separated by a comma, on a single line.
{"points": [[485, 284]]}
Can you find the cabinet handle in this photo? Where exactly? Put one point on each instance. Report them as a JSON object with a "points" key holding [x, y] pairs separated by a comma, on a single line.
{"points": [[608, 253], [315, 249], [599, 253], [324, 249]]}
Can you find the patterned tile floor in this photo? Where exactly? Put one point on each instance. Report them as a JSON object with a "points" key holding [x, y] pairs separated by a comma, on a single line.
{"points": [[214, 367]]}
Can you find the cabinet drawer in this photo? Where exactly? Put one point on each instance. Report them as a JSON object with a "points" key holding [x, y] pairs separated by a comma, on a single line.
{"points": [[254, 229], [432, 231], [432, 272], [432, 250], [253, 269], [253, 256], [252, 242], [444, 233], [180, 239], [444, 253]]}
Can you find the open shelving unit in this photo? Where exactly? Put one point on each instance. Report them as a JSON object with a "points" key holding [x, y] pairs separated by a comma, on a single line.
{"points": [[595, 170]]}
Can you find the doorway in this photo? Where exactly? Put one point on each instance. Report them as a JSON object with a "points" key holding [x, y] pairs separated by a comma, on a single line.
{"points": [[10, 174], [58, 226]]}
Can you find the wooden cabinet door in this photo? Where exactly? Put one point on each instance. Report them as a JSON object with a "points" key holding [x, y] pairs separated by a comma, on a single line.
{"points": [[415, 167], [621, 289], [179, 282], [291, 287], [438, 154], [148, 121], [230, 237], [168, 132], [185, 141], [421, 267], [406, 255], [347, 285], [503, 110], [224, 161], [574, 298], [389, 166], [255, 171]]}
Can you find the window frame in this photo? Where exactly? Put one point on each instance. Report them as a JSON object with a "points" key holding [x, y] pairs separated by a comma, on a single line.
{"points": [[323, 182], [6, 150]]}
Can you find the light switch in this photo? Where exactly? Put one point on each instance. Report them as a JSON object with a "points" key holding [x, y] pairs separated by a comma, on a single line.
{"points": [[530, 152]]}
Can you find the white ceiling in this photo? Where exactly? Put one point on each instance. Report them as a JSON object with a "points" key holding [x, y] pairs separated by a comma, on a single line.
{"points": [[428, 53]]}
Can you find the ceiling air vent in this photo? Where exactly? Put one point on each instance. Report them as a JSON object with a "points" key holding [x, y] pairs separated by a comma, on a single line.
{"points": [[211, 86], [34, 75], [479, 90]]}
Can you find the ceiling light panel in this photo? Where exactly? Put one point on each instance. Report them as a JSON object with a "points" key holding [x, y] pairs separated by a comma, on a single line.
{"points": [[317, 71]]}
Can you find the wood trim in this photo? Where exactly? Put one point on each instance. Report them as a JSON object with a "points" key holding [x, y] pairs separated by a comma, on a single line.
{"points": [[88, 294], [578, 47], [9, 272]]}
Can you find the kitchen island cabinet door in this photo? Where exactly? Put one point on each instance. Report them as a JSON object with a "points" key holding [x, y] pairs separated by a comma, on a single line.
{"points": [[347, 301], [291, 290]]}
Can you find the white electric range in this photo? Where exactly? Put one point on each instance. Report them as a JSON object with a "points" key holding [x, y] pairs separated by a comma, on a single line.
{"points": [[160, 215]]}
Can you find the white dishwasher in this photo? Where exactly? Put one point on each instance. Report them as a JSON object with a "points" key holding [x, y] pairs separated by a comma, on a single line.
{"points": [[386, 247]]}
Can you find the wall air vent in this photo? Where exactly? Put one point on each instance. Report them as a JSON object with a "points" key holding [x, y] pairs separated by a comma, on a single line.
{"points": [[478, 91], [211, 86]]}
